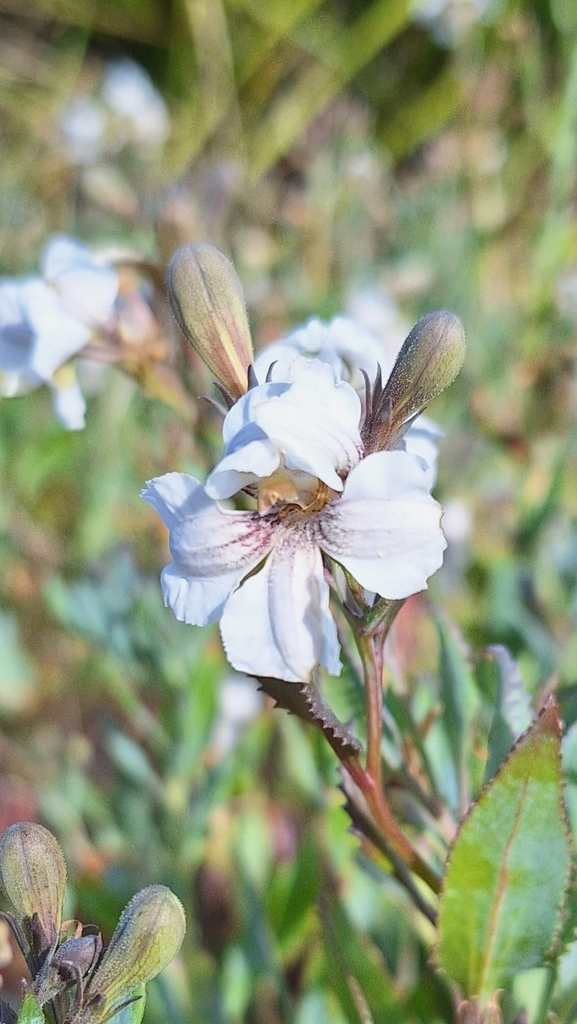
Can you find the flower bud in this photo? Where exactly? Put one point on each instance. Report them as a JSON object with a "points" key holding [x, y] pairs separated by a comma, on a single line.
{"points": [[430, 359], [70, 963], [208, 305], [149, 934], [33, 877]]}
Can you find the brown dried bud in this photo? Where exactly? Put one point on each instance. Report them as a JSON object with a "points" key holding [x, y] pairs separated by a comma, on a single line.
{"points": [[33, 877], [149, 934], [430, 359], [208, 305]]}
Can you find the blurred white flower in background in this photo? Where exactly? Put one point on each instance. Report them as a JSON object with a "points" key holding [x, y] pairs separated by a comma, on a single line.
{"points": [[379, 315], [127, 90], [83, 125], [457, 522], [45, 320], [239, 703], [448, 20], [125, 110], [566, 294]]}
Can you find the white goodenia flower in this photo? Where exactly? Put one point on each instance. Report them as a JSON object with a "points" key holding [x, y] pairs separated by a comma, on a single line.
{"points": [[296, 446], [348, 349], [44, 321], [128, 91], [341, 343], [275, 424], [125, 110]]}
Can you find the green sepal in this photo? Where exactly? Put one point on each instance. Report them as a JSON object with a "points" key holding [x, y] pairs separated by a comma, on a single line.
{"points": [[508, 869], [30, 1012]]}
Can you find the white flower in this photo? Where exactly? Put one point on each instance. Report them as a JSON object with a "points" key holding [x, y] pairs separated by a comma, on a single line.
{"points": [[347, 349], [44, 321], [381, 524], [128, 91], [272, 425], [83, 126], [126, 109], [239, 703], [341, 343], [276, 622]]}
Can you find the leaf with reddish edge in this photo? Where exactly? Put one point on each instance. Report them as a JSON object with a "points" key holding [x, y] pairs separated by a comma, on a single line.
{"points": [[508, 869], [304, 700]]}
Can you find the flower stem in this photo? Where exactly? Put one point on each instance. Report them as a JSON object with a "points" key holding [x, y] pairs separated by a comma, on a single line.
{"points": [[371, 652], [385, 822], [369, 780]]}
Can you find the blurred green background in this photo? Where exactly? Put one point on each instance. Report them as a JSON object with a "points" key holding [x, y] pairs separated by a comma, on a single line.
{"points": [[375, 156]]}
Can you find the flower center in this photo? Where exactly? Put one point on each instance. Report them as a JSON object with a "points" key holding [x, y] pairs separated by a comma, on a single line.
{"points": [[293, 495]]}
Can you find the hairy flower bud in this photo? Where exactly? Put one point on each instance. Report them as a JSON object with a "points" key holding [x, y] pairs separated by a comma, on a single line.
{"points": [[33, 877], [74, 959], [429, 360], [207, 302], [149, 934]]}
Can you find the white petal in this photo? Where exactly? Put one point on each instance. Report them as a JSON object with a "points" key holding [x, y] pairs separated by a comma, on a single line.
{"points": [[212, 548], [87, 290], [310, 423], [13, 384], [70, 406], [275, 360], [173, 496], [357, 349], [342, 344], [62, 254], [315, 423], [377, 313], [58, 336], [241, 416], [16, 335], [279, 623], [386, 528], [422, 439], [255, 458]]}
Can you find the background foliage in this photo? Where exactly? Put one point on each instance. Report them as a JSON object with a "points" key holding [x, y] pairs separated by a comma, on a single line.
{"points": [[338, 151]]}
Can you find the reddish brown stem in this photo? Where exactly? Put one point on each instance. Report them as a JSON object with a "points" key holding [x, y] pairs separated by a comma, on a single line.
{"points": [[387, 825], [370, 650]]}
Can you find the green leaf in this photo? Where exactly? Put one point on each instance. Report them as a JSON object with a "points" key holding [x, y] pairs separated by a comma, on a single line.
{"points": [[357, 972], [30, 1012], [455, 683], [17, 677], [508, 869], [458, 697], [512, 703]]}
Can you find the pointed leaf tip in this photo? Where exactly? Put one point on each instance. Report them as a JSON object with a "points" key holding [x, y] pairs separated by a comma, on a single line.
{"points": [[548, 720], [509, 867]]}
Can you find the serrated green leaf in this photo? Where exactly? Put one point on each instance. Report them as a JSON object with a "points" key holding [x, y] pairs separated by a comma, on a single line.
{"points": [[30, 1012], [304, 700], [508, 868]]}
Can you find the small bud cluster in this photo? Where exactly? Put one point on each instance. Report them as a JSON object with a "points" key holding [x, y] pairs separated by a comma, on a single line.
{"points": [[70, 970], [207, 302]]}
